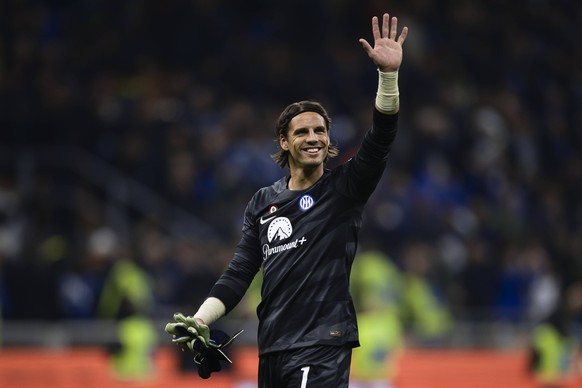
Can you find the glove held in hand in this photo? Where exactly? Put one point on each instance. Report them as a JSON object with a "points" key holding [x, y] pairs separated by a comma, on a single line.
{"points": [[208, 358]]}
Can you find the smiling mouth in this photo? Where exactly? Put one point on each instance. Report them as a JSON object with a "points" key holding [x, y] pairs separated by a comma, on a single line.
{"points": [[312, 150]]}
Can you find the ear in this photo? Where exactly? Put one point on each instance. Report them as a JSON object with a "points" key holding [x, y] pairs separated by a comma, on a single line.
{"points": [[283, 143]]}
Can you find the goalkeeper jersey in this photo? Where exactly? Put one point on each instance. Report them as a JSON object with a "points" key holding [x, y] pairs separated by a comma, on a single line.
{"points": [[305, 242]]}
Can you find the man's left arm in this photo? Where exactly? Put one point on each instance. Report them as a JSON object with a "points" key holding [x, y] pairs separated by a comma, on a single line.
{"points": [[387, 56], [370, 161]]}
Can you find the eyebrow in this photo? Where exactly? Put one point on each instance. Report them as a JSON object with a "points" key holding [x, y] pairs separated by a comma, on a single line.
{"points": [[319, 127]]}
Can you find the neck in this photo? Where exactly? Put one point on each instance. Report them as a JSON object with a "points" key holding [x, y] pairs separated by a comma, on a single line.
{"points": [[302, 179]]}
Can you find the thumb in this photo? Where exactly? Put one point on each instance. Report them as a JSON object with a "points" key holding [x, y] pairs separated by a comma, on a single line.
{"points": [[365, 45]]}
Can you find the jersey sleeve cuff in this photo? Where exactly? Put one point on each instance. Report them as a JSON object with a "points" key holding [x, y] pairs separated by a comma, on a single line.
{"points": [[383, 120], [226, 294], [384, 128]]}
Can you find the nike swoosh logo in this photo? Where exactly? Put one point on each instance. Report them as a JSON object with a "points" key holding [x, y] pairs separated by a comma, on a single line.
{"points": [[262, 221]]}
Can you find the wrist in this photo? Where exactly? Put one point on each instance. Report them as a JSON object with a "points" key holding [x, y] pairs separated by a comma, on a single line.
{"points": [[211, 310], [388, 95], [387, 70]]}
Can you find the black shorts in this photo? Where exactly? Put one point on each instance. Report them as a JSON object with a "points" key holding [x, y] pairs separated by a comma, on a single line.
{"points": [[311, 367]]}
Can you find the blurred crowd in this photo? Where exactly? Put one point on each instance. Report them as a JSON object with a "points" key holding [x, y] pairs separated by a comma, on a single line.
{"points": [[481, 197]]}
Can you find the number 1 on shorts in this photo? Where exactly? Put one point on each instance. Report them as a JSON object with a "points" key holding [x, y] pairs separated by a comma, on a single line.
{"points": [[305, 370]]}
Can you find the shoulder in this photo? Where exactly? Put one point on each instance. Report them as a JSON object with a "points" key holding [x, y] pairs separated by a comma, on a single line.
{"points": [[272, 190], [267, 194]]}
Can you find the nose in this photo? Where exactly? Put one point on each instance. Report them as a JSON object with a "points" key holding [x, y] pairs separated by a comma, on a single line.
{"points": [[312, 137]]}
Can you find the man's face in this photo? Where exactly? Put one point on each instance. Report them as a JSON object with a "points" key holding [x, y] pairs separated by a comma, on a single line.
{"points": [[307, 140]]}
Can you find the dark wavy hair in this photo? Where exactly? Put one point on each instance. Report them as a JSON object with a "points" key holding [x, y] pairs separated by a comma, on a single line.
{"points": [[282, 128]]}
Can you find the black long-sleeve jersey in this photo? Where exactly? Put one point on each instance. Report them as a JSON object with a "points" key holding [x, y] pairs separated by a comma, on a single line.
{"points": [[306, 241]]}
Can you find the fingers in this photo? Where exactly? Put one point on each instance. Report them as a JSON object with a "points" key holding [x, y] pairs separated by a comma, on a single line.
{"points": [[170, 329], [385, 25], [205, 343], [403, 35], [186, 330], [181, 340], [366, 46], [190, 324], [177, 329], [181, 318], [389, 29], [393, 28], [376, 28], [182, 332]]}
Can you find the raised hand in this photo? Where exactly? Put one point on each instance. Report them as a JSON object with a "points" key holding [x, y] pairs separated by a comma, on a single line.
{"points": [[387, 51]]}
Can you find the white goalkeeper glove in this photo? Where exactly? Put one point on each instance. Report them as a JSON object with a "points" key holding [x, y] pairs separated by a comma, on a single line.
{"points": [[186, 329], [189, 334]]}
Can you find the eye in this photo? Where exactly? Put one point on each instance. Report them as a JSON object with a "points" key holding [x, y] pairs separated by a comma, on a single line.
{"points": [[300, 131]]}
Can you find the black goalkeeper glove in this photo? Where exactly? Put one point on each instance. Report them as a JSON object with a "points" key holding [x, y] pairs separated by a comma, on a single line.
{"points": [[208, 358], [208, 354]]}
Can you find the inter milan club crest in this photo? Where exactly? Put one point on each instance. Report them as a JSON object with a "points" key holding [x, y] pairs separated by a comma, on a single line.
{"points": [[305, 202]]}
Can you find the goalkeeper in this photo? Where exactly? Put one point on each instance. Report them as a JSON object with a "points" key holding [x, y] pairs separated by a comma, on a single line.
{"points": [[303, 231]]}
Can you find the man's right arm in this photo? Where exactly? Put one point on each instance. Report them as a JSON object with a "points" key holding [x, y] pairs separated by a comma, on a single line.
{"points": [[227, 291], [247, 260], [234, 282]]}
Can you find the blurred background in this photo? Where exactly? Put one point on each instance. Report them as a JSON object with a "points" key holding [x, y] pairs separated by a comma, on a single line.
{"points": [[133, 133]]}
